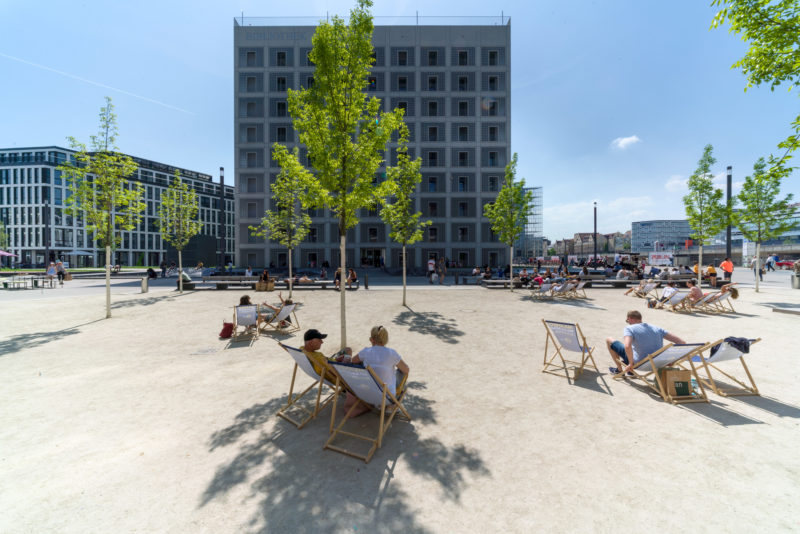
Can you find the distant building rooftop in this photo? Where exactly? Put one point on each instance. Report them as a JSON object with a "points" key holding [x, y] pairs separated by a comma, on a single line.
{"points": [[500, 20]]}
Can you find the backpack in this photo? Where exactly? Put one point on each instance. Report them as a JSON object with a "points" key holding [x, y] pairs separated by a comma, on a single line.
{"points": [[227, 330]]}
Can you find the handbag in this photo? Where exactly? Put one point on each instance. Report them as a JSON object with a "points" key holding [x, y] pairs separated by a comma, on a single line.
{"points": [[227, 330]]}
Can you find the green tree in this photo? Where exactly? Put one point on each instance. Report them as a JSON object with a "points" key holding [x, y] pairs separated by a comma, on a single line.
{"points": [[405, 224], [177, 218], [3, 236], [772, 31], [510, 211], [344, 130], [551, 251], [704, 209], [289, 222], [99, 190], [763, 216]]}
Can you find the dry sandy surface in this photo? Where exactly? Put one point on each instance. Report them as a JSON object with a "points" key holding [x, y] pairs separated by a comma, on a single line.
{"points": [[147, 422]]}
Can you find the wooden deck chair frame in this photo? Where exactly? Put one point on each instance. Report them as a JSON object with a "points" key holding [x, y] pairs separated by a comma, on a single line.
{"points": [[562, 291], [237, 335], [580, 287], [720, 303], [650, 287], [677, 302], [543, 291], [365, 384], [282, 315], [704, 304], [302, 361], [566, 337], [669, 355], [710, 362]]}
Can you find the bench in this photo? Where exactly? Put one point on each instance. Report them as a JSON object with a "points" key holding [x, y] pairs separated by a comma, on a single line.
{"points": [[222, 282], [499, 284], [314, 284]]}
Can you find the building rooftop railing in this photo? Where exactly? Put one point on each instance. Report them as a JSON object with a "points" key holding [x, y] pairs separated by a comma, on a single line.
{"points": [[500, 20]]}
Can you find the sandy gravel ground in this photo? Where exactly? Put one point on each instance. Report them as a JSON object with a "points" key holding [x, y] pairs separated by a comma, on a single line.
{"points": [[147, 422]]}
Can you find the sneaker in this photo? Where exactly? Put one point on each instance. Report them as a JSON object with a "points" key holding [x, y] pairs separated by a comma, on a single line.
{"points": [[613, 370]]}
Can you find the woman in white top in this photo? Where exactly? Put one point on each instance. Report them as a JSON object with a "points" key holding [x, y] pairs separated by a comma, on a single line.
{"points": [[383, 360]]}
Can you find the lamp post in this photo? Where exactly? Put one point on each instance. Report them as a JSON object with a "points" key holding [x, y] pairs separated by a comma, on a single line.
{"points": [[595, 232], [46, 215], [222, 217], [728, 204]]}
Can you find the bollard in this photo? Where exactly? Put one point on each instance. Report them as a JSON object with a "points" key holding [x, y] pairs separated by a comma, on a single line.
{"points": [[145, 287], [366, 281]]}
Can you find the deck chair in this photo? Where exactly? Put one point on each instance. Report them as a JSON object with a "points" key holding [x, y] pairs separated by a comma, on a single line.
{"points": [[566, 337], [575, 289], [321, 382], [726, 352], [671, 355], [562, 290], [704, 304], [542, 291], [677, 302], [723, 303], [245, 317], [648, 288], [365, 384], [281, 318]]}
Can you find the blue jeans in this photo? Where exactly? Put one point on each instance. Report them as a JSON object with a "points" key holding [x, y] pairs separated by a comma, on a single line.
{"points": [[619, 348]]}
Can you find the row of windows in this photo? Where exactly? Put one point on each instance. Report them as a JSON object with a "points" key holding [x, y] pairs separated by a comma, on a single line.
{"points": [[400, 57], [430, 107], [459, 81]]}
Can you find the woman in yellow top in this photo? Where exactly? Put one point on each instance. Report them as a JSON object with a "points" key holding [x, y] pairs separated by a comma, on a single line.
{"points": [[711, 273]]}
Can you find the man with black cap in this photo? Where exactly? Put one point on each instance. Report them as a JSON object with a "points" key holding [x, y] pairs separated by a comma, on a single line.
{"points": [[313, 342]]}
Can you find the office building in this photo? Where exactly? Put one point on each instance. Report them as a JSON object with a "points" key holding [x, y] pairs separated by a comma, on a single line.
{"points": [[40, 228], [454, 83], [657, 236]]}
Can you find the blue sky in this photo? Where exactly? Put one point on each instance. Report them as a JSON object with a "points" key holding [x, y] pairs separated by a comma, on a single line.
{"points": [[649, 75]]}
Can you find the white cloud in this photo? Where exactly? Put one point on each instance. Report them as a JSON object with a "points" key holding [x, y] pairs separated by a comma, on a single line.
{"points": [[675, 183], [624, 142]]}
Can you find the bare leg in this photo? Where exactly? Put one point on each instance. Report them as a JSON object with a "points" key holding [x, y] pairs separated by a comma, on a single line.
{"points": [[350, 400]]}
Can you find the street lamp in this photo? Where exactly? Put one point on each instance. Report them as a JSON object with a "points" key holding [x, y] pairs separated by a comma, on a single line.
{"points": [[595, 232], [46, 215]]}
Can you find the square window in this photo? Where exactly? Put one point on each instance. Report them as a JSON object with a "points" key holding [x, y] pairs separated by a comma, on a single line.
{"points": [[402, 83], [433, 109], [492, 159], [251, 84], [493, 57], [433, 58], [493, 131], [280, 83], [281, 59], [372, 234], [463, 161], [432, 184], [463, 235], [433, 159], [251, 109], [462, 57], [433, 234], [280, 109], [463, 133], [251, 59], [463, 181], [492, 105], [433, 83], [433, 132], [281, 133], [463, 108], [433, 209], [403, 105], [463, 83], [493, 181], [402, 58], [312, 235], [493, 83], [251, 135]]}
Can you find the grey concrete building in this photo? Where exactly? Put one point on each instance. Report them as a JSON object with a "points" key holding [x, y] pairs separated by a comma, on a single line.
{"points": [[655, 236], [32, 207], [454, 83]]}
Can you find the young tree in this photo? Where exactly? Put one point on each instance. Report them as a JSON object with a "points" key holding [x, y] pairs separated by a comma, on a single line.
{"points": [[510, 211], [100, 191], [406, 228], [177, 218], [289, 223], [704, 209], [762, 215], [344, 130], [772, 30]]}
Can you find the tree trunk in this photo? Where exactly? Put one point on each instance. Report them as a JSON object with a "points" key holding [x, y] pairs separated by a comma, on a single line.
{"points": [[700, 267], [180, 271], [511, 268], [342, 278], [404, 274], [108, 282], [290, 274], [757, 263]]}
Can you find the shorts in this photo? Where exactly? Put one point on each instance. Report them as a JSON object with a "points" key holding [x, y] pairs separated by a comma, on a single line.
{"points": [[619, 348]]}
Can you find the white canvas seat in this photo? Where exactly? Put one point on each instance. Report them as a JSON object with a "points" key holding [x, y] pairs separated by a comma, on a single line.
{"points": [[566, 337], [648, 288], [671, 355], [705, 303], [574, 291], [280, 320], [320, 382], [726, 352], [542, 291], [562, 290], [723, 303], [677, 302], [245, 317], [368, 388]]}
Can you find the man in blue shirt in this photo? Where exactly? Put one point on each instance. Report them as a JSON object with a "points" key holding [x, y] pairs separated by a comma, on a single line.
{"points": [[639, 340]]}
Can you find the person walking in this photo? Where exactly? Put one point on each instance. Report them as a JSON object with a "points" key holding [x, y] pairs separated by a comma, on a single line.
{"points": [[441, 270]]}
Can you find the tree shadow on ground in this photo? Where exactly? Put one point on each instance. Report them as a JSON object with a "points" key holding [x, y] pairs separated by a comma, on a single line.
{"points": [[575, 302], [429, 324], [301, 488], [37, 339], [147, 301]]}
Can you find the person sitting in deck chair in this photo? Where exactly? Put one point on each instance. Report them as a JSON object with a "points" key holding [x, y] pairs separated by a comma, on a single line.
{"points": [[695, 293], [275, 309], [312, 342], [383, 360], [639, 340]]}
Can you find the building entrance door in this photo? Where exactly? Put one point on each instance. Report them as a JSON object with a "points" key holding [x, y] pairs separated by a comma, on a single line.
{"points": [[371, 257]]}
